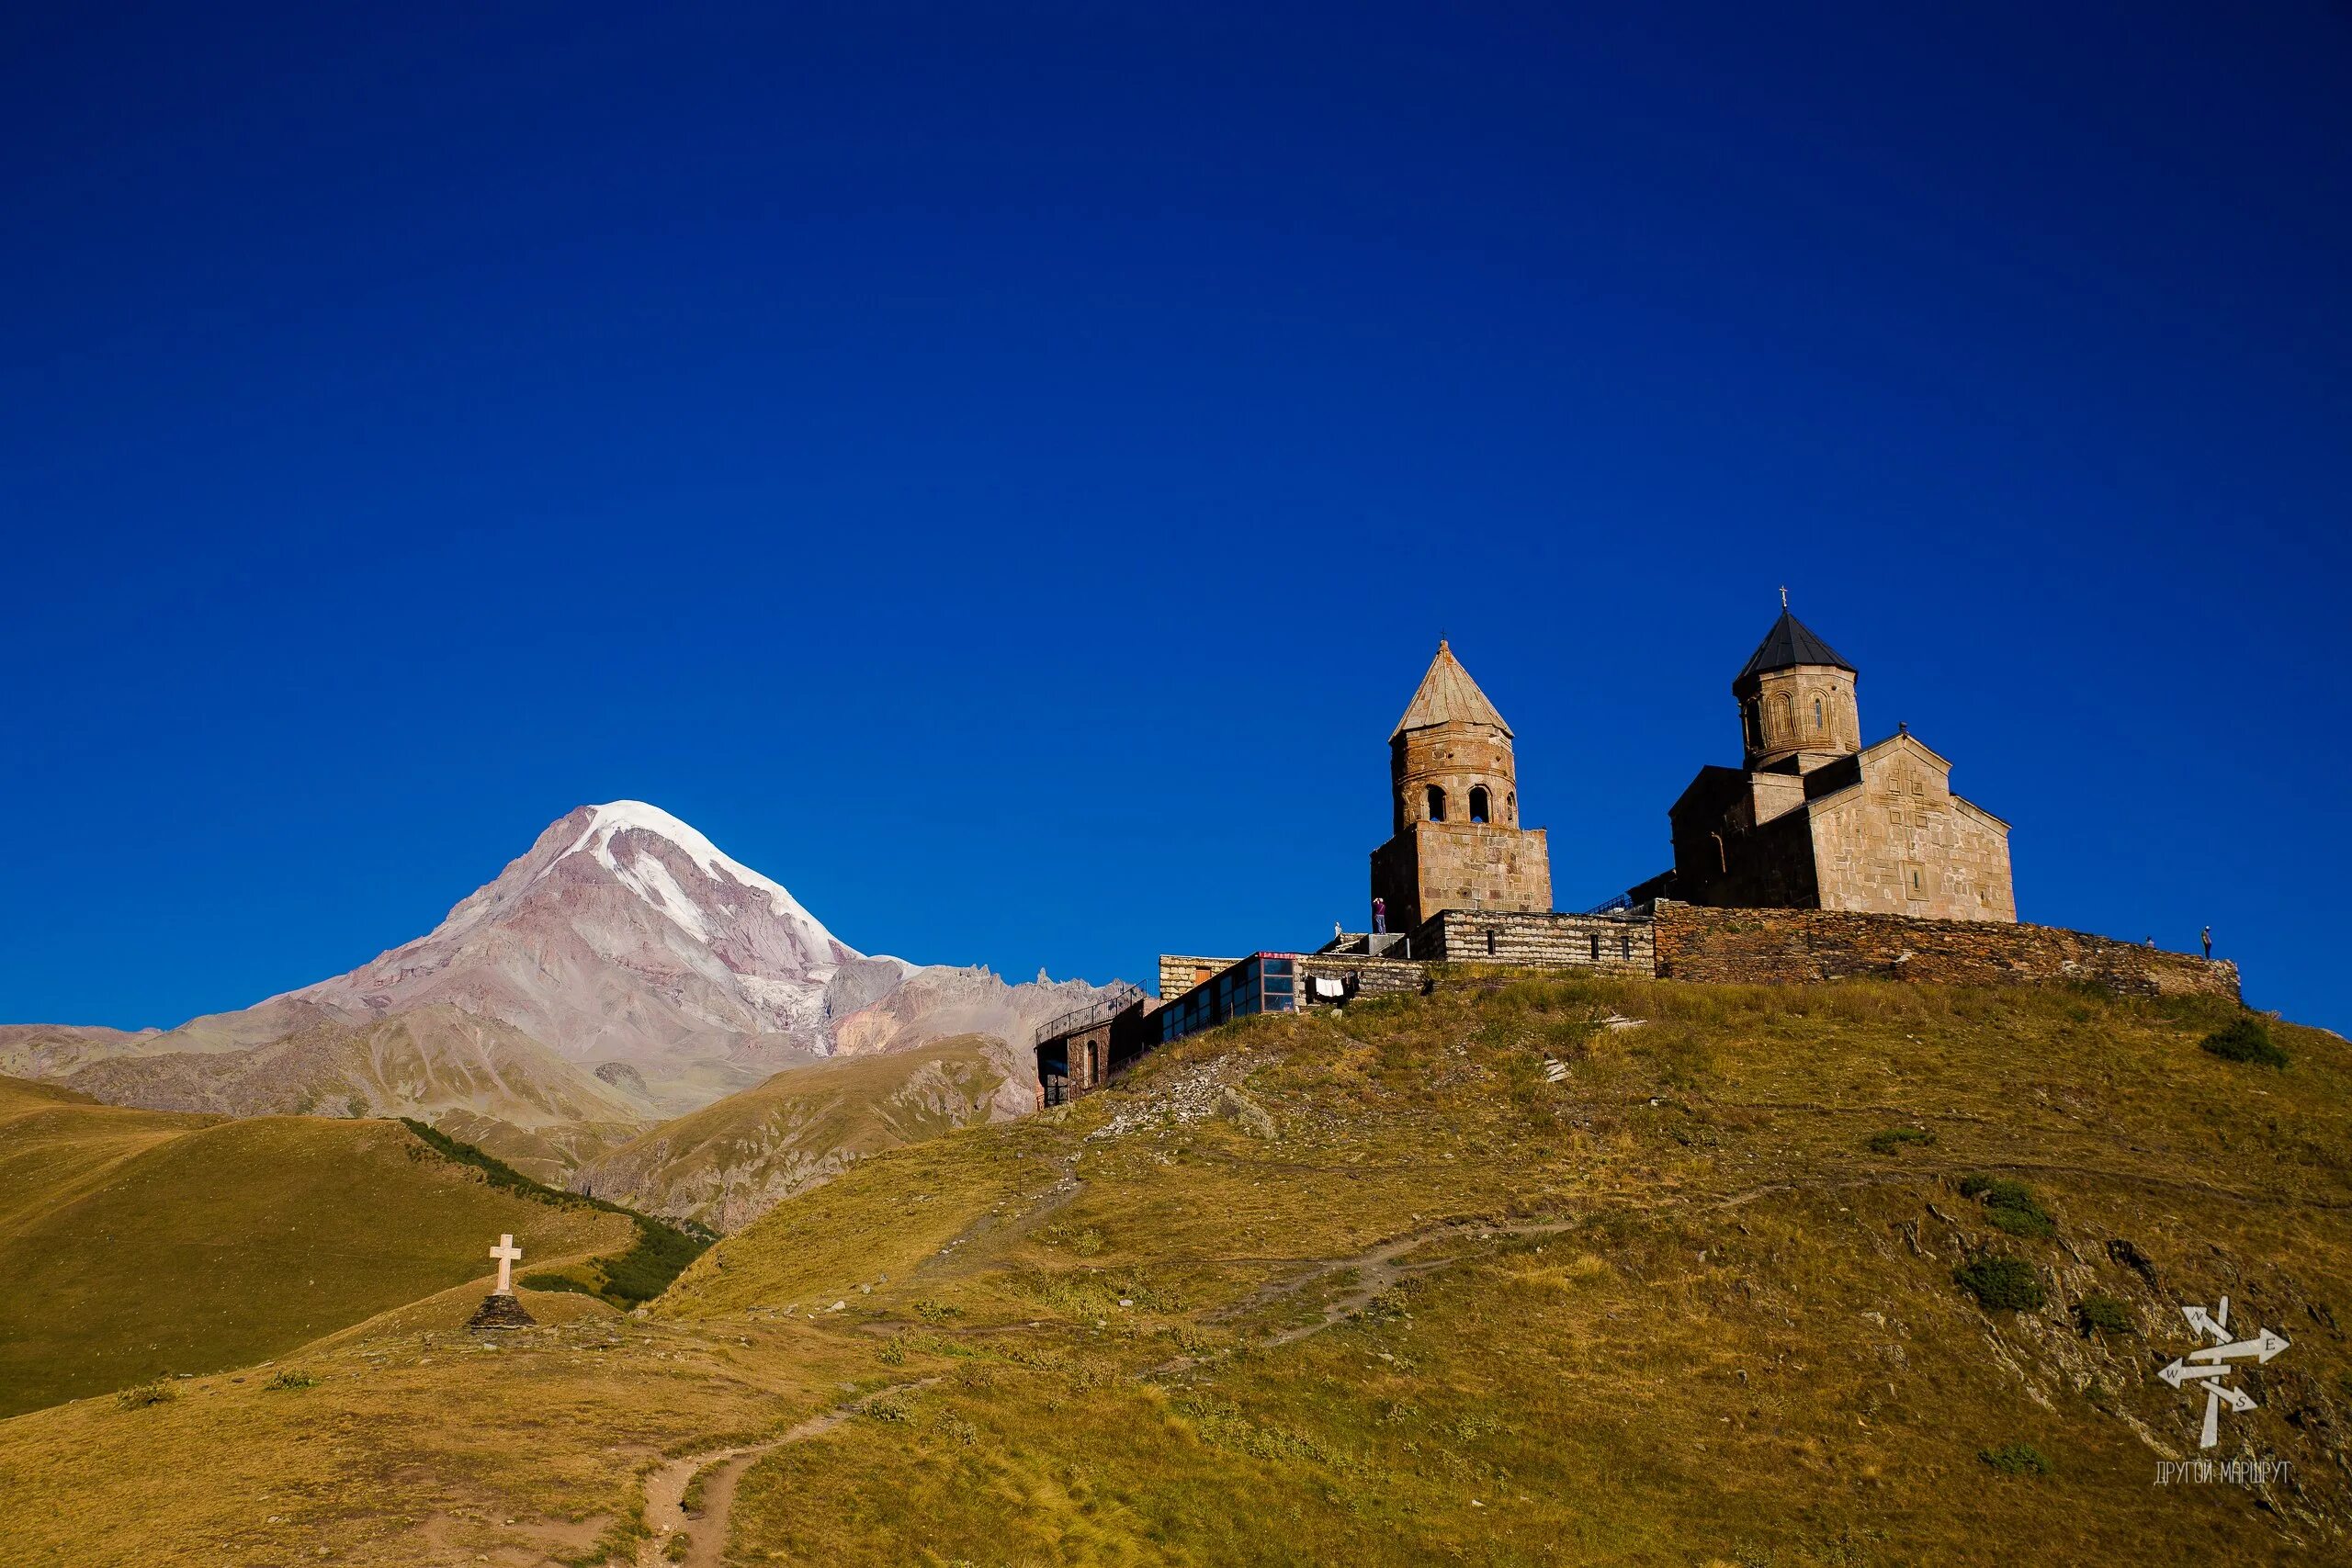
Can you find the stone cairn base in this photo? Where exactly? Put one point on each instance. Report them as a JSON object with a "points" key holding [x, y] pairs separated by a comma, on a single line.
{"points": [[501, 1311]]}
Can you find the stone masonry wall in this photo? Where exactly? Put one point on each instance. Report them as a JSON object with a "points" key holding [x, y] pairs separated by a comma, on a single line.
{"points": [[1179, 971], [1805, 946], [1460, 865], [1902, 844], [1374, 977], [1547, 940]]}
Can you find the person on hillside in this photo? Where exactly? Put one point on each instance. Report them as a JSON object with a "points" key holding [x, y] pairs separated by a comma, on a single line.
{"points": [[1380, 917], [2209, 944]]}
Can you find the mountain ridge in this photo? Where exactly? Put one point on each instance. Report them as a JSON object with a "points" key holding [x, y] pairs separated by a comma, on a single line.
{"points": [[619, 973]]}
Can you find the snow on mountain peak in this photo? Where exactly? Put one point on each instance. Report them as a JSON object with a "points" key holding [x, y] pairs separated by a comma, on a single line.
{"points": [[652, 881]]}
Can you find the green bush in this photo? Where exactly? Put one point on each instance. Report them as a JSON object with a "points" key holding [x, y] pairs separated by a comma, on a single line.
{"points": [[660, 1255], [645, 1271], [1894, 1138], [2010, 1206], [2016, 1458], [146, 1395], [2001, 1284], [289, 1380], [2102, 1315], [556, 1282], [2246, 1038]]}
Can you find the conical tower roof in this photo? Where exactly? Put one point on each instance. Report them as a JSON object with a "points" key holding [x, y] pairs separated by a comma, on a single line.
{"points": [[1789, 644], [1448, 696]]}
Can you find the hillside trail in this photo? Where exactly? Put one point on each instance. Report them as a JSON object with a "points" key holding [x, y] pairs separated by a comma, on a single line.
{"points": [[1373, 1270], [706, 1528], [665, 1490]]}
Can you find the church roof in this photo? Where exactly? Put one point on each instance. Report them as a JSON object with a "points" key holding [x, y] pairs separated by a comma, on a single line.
{"points": [[1789, 644], [1448, 696]]}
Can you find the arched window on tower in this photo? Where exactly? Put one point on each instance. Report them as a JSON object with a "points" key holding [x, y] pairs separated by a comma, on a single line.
{"points": [[1479, 811], [1437, 804], [1817, 717], [1781, 725], [1510, 805]]}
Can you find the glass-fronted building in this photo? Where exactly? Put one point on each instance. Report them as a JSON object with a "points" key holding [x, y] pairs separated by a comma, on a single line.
{"points": [[1263, 982]]}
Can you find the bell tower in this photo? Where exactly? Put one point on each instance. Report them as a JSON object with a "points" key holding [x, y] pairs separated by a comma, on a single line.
{"points": [[1454, 802], [1796, 701]]}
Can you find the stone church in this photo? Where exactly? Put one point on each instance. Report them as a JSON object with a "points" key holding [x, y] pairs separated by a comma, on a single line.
{"points": [[1814, 819]]}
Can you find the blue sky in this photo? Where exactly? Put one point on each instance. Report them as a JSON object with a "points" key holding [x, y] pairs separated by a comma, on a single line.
{"points": [[1003, 474]]}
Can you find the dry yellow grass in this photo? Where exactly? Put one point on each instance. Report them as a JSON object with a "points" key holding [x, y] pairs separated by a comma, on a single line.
{"points": [[142, 1244], [1673, 1309]]}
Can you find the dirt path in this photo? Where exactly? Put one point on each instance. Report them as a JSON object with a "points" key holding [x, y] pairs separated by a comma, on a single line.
{"points": [[960, 1256], [706, 1530], [1376, 1269], [1379, 1267]]}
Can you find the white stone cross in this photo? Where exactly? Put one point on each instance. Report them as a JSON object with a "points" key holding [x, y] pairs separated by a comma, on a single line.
{"points": [[508, 1255]]}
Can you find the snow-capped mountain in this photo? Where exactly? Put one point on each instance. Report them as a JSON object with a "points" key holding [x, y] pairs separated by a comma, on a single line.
{"points": [[624, 935], [623, 971]]}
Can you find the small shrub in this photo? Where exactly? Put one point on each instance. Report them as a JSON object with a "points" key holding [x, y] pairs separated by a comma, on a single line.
{"points": [[888, 1409], [557, 1282], [2001, 1284], [291, 1380], [2102, 1315], [146, 1395], [894, 1351], [2246, 1038], [1895, 1138], [936, 1312], [2016, 1458], [679, 1544], [2010, 1206]]}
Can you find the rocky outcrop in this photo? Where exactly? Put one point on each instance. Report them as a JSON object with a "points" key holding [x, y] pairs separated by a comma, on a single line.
{"points": [[501, 1310]]}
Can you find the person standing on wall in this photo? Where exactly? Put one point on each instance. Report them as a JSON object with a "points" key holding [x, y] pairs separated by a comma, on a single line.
{"points": [[1380, 917]]}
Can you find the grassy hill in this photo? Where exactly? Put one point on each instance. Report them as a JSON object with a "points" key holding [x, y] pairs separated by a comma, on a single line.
{"points": [[1481, 1276], [139, 1244], [730, 1162]]}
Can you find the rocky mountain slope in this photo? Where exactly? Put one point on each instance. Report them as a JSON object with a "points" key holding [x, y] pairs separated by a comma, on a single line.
{"points": [[728, 1162], [508, 1093], [1623, 1272], [53, 1050], [622, 971]]}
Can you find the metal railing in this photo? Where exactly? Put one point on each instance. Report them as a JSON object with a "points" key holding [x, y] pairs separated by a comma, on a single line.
{"points": [[1624, 906], [1116, 999]]}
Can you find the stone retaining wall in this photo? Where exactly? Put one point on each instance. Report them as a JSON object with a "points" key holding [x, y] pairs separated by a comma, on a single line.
{"points": [[1600, 943], [1373, 977], [1778, 947]]}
